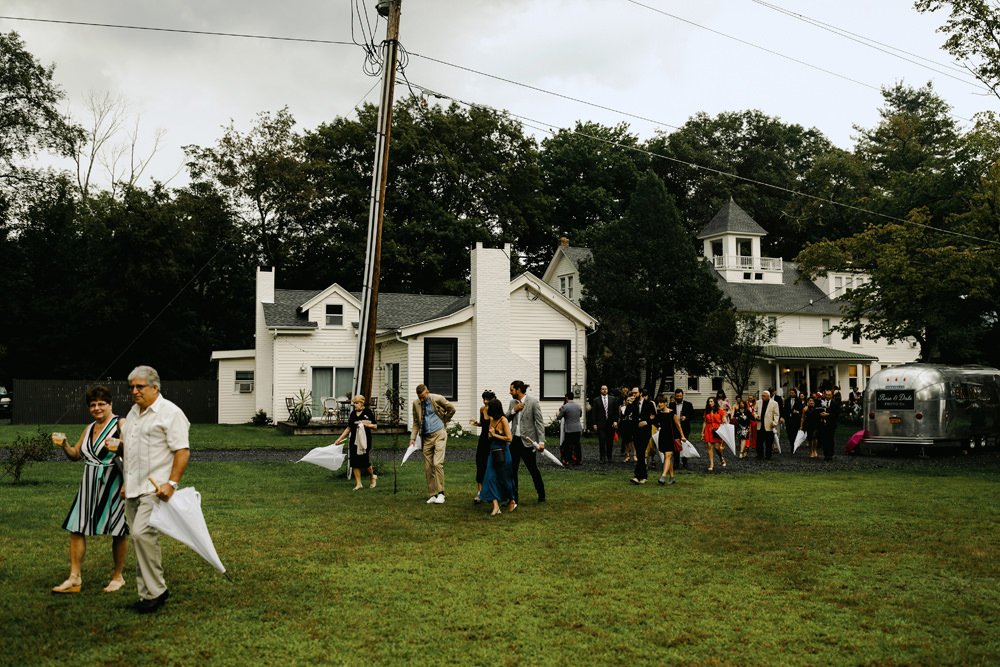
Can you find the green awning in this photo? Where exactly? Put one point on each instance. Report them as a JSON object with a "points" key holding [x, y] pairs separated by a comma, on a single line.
{"points": [[785, 353]]}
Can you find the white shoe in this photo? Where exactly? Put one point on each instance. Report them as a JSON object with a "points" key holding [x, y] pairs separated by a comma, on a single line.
{"points": [[439, 499], [432, 500]]}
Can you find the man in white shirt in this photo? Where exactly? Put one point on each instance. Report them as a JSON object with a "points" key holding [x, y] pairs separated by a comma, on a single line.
{"points": [[155, 437]]}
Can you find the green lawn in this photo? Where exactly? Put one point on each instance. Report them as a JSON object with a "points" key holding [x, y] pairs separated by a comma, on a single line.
{"points": [[881, 567]]}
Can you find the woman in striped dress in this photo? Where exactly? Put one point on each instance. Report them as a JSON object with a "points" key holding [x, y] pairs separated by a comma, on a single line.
{"points": [[98, 508]]}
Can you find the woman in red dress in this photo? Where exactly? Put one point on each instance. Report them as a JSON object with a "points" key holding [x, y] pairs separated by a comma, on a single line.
{"points": [[714, 417], [752, 406]]}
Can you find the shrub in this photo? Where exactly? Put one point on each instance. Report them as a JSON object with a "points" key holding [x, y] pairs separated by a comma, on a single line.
{"points": [[455, 431], [26, 450], [260, 419]]}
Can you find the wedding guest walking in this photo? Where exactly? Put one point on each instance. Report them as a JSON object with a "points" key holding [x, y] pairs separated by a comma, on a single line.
{"points": [[571, 415], [685, 413], [431, 414], [483, 446], [604, 412], [98, 508], [525, 417], [644, 411], [668, 425], [497, 485], [359, 453], [713, 417]]}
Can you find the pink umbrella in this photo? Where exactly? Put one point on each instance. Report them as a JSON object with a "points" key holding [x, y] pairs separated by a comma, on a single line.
{"points": [[854, 442]]}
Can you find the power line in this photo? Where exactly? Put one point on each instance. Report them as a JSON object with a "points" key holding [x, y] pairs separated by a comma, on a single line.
{"points": [[718, 172], [874, 44], [121, 26]]}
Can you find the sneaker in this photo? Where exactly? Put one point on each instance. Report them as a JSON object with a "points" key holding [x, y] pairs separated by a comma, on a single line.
{"points": [[662, 480], [439, 499], [642, 481], [673, 481], [432, 500], [635, 481]]}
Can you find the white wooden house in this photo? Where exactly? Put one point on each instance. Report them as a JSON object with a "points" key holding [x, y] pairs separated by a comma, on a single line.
{"points": [[805, 353], [504, 329]]}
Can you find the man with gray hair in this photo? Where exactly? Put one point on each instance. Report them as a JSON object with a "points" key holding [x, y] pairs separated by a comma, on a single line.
{"points": [[155, 437]]}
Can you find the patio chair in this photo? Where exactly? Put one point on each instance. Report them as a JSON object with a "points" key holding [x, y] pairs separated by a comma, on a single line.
{"points": [[290, 405], [330, 408]]}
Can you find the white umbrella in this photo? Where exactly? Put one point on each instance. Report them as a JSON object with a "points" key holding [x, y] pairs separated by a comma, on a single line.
{"points": [[330, 457], [688, 451], [549, 455], [799, 439], [727, 433], [656, 443], [412, 448], [777, 439], [181, 518]]}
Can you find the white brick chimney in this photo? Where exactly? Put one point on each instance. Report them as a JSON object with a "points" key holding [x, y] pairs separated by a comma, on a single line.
{"points": [[490, 296], [264, 345]]}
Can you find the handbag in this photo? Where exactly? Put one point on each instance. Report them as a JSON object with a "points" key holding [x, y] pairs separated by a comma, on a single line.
{"points": [[678, 447], [498, 458]]}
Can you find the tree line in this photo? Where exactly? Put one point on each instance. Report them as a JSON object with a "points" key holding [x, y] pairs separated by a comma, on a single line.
{"points": [[94, 275]]}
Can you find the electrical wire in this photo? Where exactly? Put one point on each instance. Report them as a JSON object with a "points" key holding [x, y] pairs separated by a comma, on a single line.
{"points": [[720, 172]]}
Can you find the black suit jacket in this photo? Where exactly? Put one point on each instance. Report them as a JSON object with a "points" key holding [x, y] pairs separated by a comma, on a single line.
{"points": [[602, 421], [686, 410]]}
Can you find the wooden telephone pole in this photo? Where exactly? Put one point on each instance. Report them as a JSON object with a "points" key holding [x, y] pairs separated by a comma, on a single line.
{"points": [[364, 364]]}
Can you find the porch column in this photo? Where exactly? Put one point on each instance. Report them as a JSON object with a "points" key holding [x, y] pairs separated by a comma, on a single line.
{"points": [[808, 380], [777, 375]]}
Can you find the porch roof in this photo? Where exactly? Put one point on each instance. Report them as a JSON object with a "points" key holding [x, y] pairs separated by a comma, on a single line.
{"points": [[818, 353]]}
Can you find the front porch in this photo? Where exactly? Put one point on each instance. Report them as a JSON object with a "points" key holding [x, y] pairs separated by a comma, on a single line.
{"points": [[324, 427]]}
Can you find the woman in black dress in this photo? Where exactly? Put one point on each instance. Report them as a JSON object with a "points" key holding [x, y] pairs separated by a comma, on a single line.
{"points": [[483, 447], [363, 417]]}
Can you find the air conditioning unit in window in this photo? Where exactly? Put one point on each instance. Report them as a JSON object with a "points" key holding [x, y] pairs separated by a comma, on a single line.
{"points": [[246, 387]]}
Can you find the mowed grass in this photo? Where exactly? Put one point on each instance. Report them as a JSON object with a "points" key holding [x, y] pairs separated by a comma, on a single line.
{"points": [[885, 568]]}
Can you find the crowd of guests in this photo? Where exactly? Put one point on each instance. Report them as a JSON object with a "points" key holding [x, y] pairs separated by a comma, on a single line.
{"points": [[627, 420]]}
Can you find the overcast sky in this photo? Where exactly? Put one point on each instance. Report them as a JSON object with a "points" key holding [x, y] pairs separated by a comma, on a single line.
{"points": [[629, 56]]}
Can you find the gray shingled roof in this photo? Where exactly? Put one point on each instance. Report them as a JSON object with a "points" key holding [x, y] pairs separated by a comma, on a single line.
{"points": [[578, 255], [791, 296], [731, 218], [394, 310]]}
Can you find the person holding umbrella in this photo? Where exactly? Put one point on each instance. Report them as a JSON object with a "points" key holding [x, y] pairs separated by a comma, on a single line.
{"points": [[714, 417], [155, 436], [362, 418], [98, 508]]}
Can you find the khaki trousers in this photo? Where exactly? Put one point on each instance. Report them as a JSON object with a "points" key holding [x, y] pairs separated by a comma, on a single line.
{"points": [[433, 449], [146, 543]]}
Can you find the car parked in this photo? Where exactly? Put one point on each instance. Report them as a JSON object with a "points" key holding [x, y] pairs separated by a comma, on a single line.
{"points": [[6, 403]]}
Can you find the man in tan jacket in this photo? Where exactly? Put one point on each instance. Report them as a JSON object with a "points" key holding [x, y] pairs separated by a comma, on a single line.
{"points": [[770, 417], [431, 414]]}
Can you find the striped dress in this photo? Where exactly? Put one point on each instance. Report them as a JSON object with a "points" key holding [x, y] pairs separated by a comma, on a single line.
{"points": [[97, 508]]}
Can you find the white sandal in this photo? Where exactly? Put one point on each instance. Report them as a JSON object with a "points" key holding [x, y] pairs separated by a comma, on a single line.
{"points": [[71, 585], [114, 585]]}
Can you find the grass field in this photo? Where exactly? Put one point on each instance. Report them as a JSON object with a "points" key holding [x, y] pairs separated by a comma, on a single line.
{"points": [[886, 567]]}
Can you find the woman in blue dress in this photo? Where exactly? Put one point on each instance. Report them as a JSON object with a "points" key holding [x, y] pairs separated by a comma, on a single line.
{"points": [[497, 486], [98, 508]]}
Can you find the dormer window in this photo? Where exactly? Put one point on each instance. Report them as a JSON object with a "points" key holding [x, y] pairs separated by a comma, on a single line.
{"points": [[566, 286], [334, 315]]}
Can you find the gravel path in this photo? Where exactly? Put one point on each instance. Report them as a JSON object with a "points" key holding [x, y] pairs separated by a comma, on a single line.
{"points": [[800, 462]]}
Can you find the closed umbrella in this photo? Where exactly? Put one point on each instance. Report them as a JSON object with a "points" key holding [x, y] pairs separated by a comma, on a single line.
{"points": [[688, 451], [799, 439], [549, 455], [181, 518], [412, 448]]}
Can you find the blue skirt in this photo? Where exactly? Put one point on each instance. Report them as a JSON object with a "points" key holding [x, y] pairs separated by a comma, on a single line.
{"points": [[497, 483]]}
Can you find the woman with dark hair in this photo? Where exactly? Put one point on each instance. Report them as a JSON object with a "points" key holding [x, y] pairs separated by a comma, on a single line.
{"points": [[714, 417], [361, 417], [483, 448], [742, 418], [497, 485], [98, 508]]}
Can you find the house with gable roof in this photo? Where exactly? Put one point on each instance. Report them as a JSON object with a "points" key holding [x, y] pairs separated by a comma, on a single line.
{"points": [[502, 330], [805, 353]]}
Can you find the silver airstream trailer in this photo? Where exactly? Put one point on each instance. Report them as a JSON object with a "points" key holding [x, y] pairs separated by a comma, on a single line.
{"points": [[930, 405]]}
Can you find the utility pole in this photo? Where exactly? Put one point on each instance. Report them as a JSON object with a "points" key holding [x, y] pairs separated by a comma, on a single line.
{"points": [[364, 361]]}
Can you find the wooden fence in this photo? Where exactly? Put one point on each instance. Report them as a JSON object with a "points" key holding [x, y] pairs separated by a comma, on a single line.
{"points": [[64, 401]]}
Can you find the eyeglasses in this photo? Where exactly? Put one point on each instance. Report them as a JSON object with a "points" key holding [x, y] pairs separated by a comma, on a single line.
{"points": [[137, 387]]}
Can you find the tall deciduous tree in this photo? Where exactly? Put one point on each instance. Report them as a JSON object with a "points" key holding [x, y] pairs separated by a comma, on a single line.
{"points": [[659, 306], [29, 115], [751, 145], [973, 29], [741, 357]]}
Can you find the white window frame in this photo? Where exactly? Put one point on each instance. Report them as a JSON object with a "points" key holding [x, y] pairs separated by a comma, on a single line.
{"points": [[338, 318], [244, 384]]}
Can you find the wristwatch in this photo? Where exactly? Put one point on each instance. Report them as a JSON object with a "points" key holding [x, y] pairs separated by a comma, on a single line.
{"points": [[172, 483]]}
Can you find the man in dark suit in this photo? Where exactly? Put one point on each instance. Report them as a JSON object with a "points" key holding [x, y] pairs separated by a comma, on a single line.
{"points": [[793, 413], [525, 417], [828, 417], [645, 410], [604, 412], [685, 412]]}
